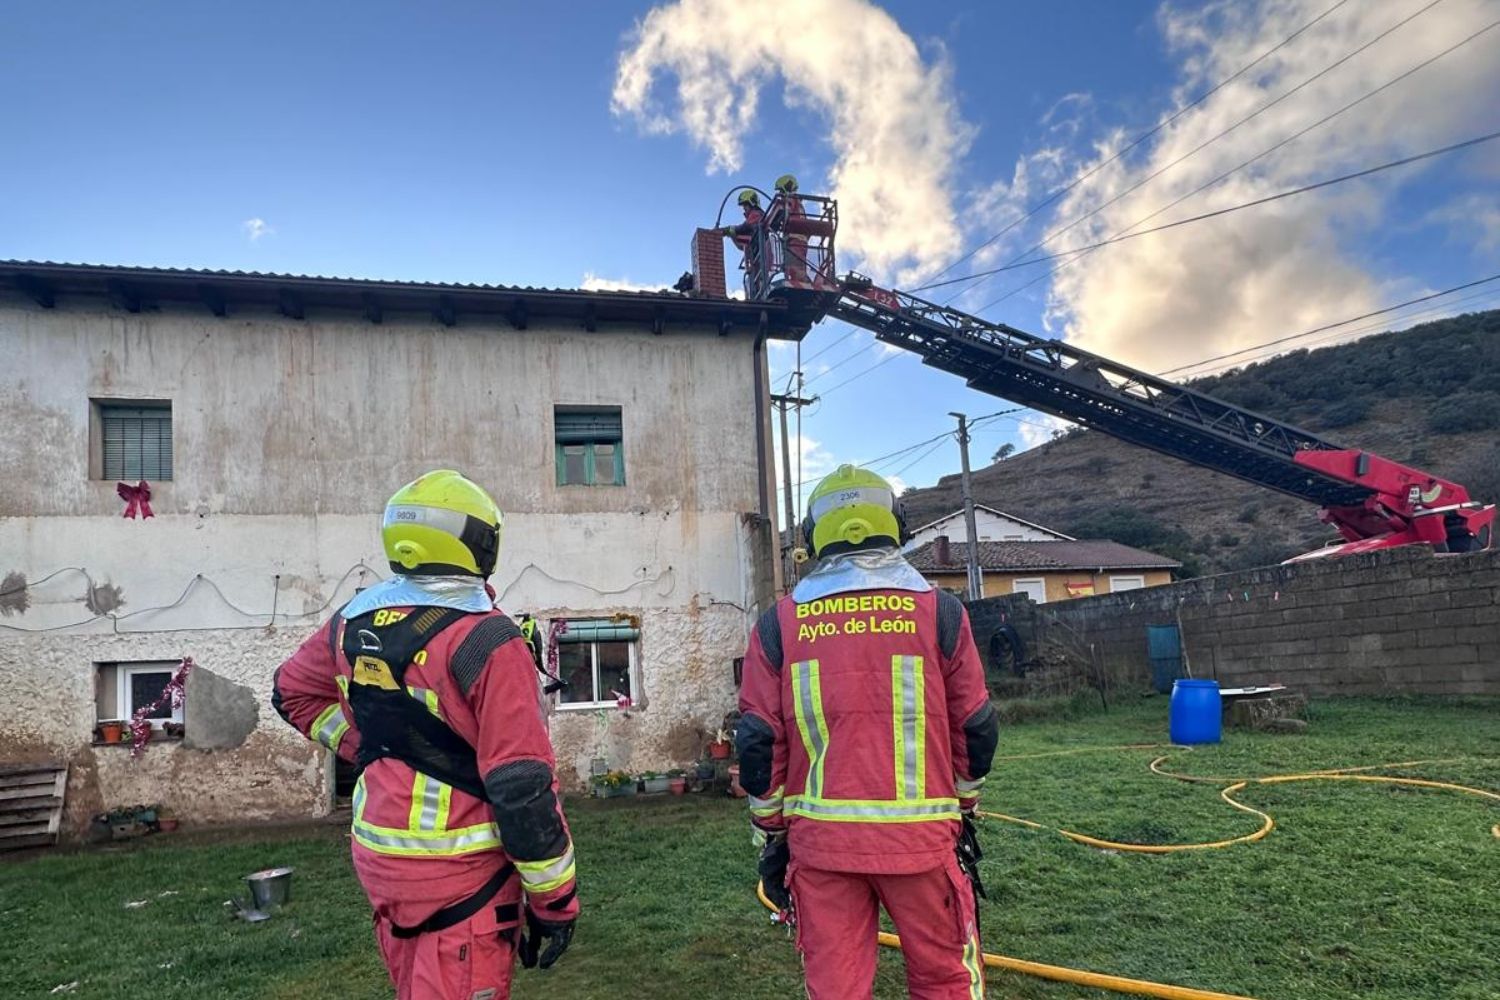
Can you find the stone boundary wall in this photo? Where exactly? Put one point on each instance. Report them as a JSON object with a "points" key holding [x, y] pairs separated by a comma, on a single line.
{"points": [[1396, 621]]}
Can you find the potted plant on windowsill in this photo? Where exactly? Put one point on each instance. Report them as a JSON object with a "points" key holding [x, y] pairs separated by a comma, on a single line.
{"points": [[173, 730], [111, 730]]}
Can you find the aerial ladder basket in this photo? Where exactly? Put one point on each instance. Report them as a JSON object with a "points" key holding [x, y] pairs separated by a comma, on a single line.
{"points": [[791, 256]]}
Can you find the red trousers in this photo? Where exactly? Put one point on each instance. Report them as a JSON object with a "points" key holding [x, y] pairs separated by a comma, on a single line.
{"points": [[838, 918], [469, 961]]}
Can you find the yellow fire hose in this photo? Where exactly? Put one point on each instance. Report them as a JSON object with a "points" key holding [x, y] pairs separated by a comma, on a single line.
{"points": [[1166, 991]]}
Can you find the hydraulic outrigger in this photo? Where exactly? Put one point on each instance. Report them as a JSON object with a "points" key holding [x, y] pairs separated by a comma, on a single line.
{"points": [[1373, 502]]}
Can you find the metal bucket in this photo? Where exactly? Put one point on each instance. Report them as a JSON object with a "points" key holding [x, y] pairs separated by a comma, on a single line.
{"points": [[270, 888]]}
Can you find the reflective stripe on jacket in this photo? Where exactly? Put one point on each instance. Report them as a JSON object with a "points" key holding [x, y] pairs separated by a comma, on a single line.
{"points": [[864, 713]]}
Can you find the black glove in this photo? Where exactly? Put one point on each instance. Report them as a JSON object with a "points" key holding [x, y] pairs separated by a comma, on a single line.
{"points": [[970, 854], [772, 868], [559, 933]]}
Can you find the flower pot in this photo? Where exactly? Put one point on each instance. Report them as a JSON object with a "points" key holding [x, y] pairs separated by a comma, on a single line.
{"points": [[718, 751], [620, 791], [705, 771], [166, 825], [111, 732], [678, 786], [734, 782], [656, 786]]}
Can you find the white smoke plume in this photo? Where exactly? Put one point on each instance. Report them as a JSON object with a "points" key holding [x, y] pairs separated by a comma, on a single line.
{"points": [[892, 119]]}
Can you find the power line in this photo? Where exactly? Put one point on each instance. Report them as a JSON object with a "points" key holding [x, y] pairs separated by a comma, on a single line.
{"points": [[1048, 237], [1349, 336], [1140, 139], [860, 374], [1404, 161], [841, 362], [1331, 326], [1078, 255], [919, 458], [1263, 153]]}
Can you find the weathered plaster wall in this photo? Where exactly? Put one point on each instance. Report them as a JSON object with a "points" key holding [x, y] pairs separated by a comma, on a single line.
{"points": [[270, 772], [288, 436]]}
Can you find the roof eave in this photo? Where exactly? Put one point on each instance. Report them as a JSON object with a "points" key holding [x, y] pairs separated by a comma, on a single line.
{"points": [[135, 289]]}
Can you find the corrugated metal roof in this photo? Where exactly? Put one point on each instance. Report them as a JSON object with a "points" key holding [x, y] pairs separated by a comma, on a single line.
{"points": [[142, 288], [203, 272], [1009, 556]]}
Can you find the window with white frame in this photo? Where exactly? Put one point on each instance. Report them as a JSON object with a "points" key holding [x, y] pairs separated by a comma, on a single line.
{"points": [[598, 660], [1034, 588], [123, 688], [1119, 583]]}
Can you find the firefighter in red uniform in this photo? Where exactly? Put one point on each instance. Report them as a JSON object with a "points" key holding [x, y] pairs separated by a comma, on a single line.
{"points": [[746, 235], [458, 835], [791, 217], [866, 734]]}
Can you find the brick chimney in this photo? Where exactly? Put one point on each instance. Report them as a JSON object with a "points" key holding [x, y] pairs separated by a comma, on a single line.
{"points": [[944, 552], [708, 264]]}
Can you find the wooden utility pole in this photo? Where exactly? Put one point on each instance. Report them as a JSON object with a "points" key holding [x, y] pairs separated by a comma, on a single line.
{"points": [[976, 575], [789, 542]]}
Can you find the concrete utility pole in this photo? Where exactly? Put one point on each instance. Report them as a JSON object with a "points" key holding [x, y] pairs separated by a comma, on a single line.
{"points": [[976, 575], [782, 403]]}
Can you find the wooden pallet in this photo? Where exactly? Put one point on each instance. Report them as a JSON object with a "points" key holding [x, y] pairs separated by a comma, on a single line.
{"points": [[31, 804]]}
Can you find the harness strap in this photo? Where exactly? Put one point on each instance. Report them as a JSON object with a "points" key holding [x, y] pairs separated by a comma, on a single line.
{"points": [[451, 916]]}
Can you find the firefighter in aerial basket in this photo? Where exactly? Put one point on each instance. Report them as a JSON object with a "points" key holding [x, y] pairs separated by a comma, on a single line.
{"points": [[746, 235], [458, 835], [867, 732]]}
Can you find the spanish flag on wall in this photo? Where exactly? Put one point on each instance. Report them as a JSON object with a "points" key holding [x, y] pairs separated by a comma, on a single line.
{"points": [[1082, 589]]}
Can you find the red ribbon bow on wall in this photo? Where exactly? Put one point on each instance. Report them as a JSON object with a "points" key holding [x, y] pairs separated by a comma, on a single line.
{"points": [[137, 499]]}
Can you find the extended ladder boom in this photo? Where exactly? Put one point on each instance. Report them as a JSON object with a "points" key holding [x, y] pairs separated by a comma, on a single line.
{"points": [[1372, 501]]}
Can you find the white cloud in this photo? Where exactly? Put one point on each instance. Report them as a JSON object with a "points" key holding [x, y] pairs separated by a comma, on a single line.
{"points": [[1472, 220], [1222, 285], [898, 485], [594, 283], [256, 228], [1039, 428], [892, 118]]}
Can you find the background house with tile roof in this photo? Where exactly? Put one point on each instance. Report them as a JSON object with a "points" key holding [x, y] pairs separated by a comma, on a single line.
{"points": [[1053, 570]]}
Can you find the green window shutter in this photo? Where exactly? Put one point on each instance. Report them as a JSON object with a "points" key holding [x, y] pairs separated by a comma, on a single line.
{"points": [[584, 426], [599, 631], [137, 442]]}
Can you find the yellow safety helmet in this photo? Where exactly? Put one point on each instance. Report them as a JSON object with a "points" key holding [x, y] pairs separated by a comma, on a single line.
{"points": [[851, 506], [787, 183], [748, 197], [442, 523]]}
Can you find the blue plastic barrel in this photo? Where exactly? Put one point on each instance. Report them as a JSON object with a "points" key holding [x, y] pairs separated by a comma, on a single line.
{"points": [[1197, 712]]}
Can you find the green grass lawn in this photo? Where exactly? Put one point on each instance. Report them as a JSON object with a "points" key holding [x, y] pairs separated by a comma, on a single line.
{"points": [[1362, 891]]}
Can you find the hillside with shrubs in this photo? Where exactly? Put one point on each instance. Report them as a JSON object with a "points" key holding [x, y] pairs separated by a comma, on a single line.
{"points": [[1428, 395]]}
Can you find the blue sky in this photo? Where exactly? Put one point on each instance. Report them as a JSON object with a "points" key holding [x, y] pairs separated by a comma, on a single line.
{"points": [[489, 142]]}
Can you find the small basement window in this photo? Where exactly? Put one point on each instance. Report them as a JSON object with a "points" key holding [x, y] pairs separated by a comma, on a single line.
{"points": [[122, 688], [598, 660], [588, 441], [134, 440]]}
